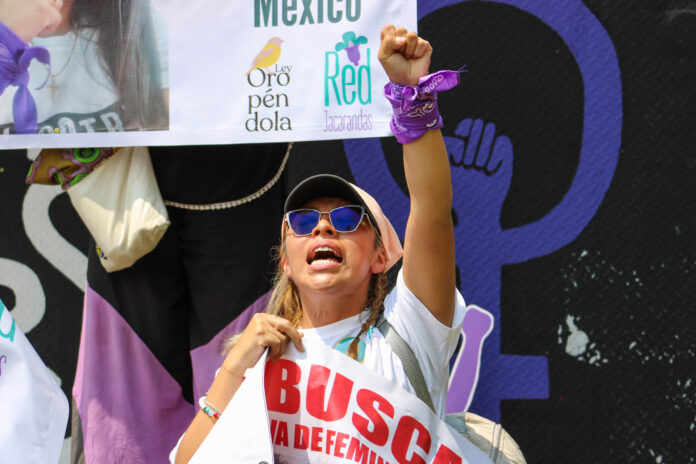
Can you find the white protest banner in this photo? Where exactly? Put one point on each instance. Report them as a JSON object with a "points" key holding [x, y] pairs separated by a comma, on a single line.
{"points": [[34, 409], [248, 424], [175, 72], [326, 408]]}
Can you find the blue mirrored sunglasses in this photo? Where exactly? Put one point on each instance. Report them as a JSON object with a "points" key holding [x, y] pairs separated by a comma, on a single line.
{"points": [[343, 219]]}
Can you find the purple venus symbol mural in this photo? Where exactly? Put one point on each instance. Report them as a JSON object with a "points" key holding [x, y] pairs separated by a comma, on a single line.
{"points": [[482, 170]]}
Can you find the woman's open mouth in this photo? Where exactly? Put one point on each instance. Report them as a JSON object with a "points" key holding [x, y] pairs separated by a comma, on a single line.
{"points": [[324, 255]]}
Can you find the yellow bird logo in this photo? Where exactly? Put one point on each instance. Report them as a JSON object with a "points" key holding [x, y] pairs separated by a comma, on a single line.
{"points": [[268, 56]]}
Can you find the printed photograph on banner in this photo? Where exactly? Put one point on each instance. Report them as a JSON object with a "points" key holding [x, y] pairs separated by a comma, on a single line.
{"points": [[98, 67]]}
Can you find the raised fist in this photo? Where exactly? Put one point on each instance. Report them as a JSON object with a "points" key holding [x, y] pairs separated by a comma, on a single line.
{"points": [[405, 57], [481, 163]]}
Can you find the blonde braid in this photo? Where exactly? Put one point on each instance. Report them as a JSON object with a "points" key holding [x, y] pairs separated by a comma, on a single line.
{"points": [[375, 300]]}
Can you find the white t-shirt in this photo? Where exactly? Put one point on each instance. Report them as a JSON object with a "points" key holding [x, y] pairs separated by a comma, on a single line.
{"points": [[79, 96], [432, 342]]}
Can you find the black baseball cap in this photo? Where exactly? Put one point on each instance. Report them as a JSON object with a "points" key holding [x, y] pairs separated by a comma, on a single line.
{"points": [[326, 185]]}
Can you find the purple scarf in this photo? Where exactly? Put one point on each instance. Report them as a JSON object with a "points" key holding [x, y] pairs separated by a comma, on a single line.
{"points": [[415, 108], [15, 57]]}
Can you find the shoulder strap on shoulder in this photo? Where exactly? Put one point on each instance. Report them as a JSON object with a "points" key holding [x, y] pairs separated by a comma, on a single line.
{"points": [[408, 359]]}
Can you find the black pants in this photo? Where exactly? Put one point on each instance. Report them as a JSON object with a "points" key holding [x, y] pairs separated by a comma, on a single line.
{"points": [[210, 265]]}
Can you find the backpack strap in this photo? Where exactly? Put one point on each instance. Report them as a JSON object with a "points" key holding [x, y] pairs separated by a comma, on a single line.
{"points": [[408, 359], [486, 435]]}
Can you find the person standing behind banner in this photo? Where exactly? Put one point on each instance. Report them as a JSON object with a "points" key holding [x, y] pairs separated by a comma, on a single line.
{"points": [[337, 246], [108, 66]]}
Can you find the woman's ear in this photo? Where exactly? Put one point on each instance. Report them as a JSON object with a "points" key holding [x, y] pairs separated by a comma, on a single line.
{"points": [[380, 263], [286, 266]]}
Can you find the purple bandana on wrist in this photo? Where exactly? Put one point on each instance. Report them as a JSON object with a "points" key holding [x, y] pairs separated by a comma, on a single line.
{"points": [[15, 57], [415, 108]]}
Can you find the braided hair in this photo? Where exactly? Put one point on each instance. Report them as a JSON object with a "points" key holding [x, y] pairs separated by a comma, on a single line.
{"points": [[375, 300]]}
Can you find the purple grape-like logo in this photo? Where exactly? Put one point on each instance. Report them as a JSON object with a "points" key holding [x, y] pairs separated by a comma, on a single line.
{"points": [[351, 44]]}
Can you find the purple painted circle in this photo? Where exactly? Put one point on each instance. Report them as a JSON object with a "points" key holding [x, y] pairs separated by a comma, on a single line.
{"points": [[596, 57]]}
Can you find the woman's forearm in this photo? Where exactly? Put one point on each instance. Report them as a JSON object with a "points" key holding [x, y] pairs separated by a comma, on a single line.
{"points": [[427, 170], [225, 385], [429, 268], [264, 332]]}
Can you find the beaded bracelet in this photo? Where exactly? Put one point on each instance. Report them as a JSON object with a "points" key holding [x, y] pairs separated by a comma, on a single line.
{"points": [[209, 409]]}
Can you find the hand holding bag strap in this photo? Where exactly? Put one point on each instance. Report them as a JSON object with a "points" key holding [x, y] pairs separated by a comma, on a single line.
{"points": [[408, 359]]}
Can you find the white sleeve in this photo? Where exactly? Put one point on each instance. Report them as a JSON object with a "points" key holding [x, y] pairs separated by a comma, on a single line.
{"points": [[432, 342]]}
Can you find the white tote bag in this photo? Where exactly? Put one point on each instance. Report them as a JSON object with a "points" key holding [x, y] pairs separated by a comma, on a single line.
{"points": [[34, 408], [121, 205]]}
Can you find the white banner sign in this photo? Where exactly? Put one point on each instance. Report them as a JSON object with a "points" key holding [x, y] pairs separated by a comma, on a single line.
{"points": [[323, 407], [172, 72], [34, 408]]}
